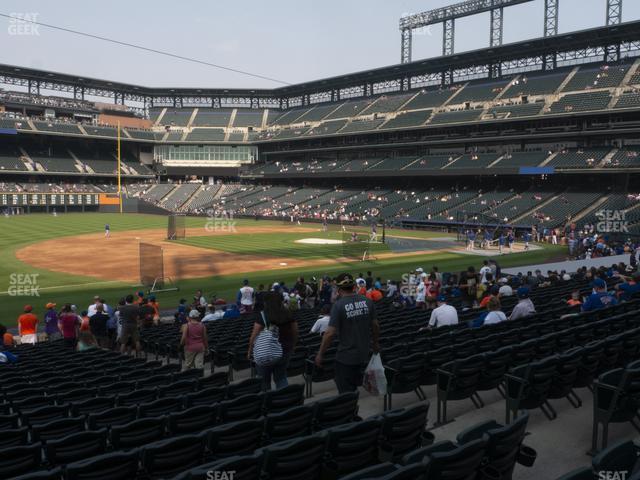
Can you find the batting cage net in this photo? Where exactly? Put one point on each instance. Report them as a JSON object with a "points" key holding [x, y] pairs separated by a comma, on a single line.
{"points": [[176, 227], [151, 265]]}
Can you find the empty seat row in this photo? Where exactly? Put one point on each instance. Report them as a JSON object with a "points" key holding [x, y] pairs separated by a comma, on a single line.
{"points": [[65, 441], [365, 451]]}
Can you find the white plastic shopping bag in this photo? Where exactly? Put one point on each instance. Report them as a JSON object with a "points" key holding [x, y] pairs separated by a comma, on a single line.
{"points": [[375, 381]]}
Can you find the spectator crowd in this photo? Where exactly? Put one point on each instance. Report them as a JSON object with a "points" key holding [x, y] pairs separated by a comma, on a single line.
{"points": [[345, 305]]}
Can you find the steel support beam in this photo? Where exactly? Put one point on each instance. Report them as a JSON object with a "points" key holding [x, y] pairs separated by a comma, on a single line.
{"points": [[614, 12], [495, 70], [612, 53], [406, 84], [448, 36], [614, 17], [78, 93], [406, 36], [496, 28], [34, 87], [550, 18]]}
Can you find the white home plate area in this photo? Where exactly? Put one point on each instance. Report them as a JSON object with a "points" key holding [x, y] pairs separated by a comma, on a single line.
{"points": [[319, 241]]}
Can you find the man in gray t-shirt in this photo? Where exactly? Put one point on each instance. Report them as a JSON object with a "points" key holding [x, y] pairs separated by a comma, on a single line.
{"points": [[353, 320]]}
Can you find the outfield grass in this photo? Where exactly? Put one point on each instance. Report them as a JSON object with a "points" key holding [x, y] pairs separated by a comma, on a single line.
{"points": [[16, 232]]}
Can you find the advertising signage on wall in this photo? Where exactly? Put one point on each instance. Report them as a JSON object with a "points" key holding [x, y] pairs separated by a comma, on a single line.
{"points": [[48, 199]]}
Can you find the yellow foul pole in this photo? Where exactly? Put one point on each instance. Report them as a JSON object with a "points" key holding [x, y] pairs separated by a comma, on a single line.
{"points": [[119, 182]]}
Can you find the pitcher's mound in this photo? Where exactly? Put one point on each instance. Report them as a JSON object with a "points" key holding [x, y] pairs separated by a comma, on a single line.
{"points": [[319, 241]]}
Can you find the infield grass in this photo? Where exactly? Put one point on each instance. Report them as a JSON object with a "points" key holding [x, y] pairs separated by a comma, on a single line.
{"points": [[286, 245]]}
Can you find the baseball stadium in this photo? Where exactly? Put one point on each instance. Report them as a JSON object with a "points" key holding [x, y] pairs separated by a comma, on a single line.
{"points": [[435, 261]]}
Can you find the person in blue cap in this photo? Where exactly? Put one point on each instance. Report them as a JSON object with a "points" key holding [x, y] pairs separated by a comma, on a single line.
{"points": [[443, 315], [471, 239], [524, 307], [600, 298], [488, 238], [630, 288]]}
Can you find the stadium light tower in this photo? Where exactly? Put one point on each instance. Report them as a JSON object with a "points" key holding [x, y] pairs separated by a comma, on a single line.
{"points": [[448, 15]]}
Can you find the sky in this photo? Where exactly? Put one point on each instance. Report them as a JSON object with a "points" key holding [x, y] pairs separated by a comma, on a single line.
{"points": [[290, 40]]}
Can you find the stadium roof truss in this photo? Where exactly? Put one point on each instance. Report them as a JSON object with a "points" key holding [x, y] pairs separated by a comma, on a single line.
{"points": [[448, 15], [609, 43]]}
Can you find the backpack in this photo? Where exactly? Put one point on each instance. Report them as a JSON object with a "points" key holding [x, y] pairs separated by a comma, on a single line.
{"points": [[267, 349]]}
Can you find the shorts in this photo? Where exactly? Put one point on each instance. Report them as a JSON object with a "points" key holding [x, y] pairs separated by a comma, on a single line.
{"points": [[193, 359], [129, 334], [348, 377], [29, 338]]}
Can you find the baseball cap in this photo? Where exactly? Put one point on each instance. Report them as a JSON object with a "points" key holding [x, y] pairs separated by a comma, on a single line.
{"points": [[599, 283], [523, 292], [344, 281], [28, 308], [194, 314], [442, 298], [50, 305], [275, 286], [419, 270], [503, 280], [495, 289]]}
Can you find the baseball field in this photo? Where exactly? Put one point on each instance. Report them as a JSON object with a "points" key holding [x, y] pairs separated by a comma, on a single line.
{"points": [[67, 258]]}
